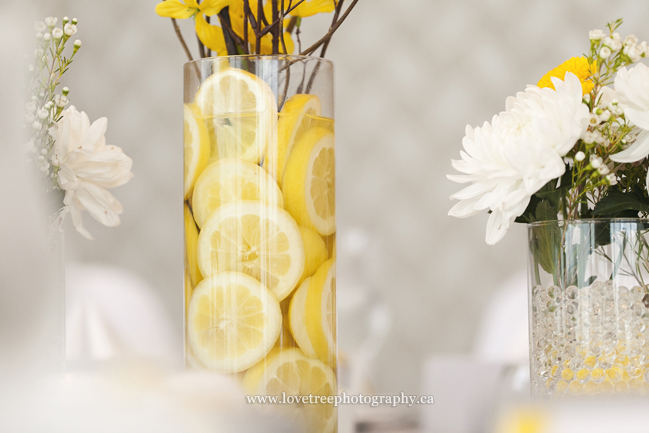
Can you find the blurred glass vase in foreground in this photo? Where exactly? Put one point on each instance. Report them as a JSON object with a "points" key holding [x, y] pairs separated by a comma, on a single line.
{"points": [[259, 203], [588, 307]]}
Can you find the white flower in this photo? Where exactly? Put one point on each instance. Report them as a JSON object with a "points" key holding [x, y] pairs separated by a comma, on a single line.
{"points": [[596, 161], [51, 21], [632, 52], [643, 48], [616, 36], [632, 89], [605, 52], [596, 35], [612, 179], [57, 33], [40, 26], [613, 44], [522, 149], [87, 167], [77, 43], [580, 156], [47, 37], [630, 40], [70, 29]]}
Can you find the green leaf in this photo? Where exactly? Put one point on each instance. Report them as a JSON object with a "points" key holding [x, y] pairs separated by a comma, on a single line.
{"points": [[618, 203]]}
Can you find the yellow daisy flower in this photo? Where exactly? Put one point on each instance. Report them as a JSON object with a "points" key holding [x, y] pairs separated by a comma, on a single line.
{"points": [[211, 36], [578, 66]]}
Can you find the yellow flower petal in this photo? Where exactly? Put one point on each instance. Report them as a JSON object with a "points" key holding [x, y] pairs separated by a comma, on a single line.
{"points": [[213, 7], [312, 7], [211, 36], [176, 9], [578, 66]]}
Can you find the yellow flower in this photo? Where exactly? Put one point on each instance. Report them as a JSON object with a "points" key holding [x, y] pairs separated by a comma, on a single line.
{"points": [[211, 36], [578, 66], [236, 18], [312, 7]]}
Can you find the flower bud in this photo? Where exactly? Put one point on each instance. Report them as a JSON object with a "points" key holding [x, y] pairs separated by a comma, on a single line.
{"points": [[65, 20], [612, 179], [605, 52], [57, 33], [580, 156], [75, 21], [47, 37], [603, 170], [43, 114], [70, 29], [36, 125]]}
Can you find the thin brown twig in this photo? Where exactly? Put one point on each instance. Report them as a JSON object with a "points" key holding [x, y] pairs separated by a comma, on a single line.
{"points": [[282, 99], [246, 20], [260, 13], [209, 50], [232, 40], [201, 47], [269, 27], [316, 69], [182, 40], [331, 31], [276, 27]]}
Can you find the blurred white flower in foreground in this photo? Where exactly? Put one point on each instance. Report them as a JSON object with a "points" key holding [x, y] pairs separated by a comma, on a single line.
{"points": [[632, 90], [87, 166], [522, 149]]}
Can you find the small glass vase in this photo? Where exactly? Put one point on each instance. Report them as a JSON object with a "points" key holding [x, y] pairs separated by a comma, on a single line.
{"points": [[259, 216], [588, 300]]}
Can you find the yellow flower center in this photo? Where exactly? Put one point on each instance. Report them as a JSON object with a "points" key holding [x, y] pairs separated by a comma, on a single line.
{"points": [[578, 66]]}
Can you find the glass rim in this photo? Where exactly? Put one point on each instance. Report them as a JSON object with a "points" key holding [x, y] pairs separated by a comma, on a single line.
{"points": [[587, 221], [257, 57]]}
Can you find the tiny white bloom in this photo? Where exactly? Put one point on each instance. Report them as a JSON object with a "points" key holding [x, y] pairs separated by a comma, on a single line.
{"points": [[632, 89], [43, 152], [605, 116], [632, 52], [603, 170], [593, 119], [30, 68], [630, 40], [612, 179], [616, 36], [57, 33], [39, 36], [42, 114], [70, 29], [51, 21], [47, 37], [77, 43], [30, 107], [596, 35], [580, 156], [36, 125], [40, 26], [596, 161], [605, 52], [643, 48]]}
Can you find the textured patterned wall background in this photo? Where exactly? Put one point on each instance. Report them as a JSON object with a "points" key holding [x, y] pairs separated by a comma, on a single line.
{"points": [[409, 76]]}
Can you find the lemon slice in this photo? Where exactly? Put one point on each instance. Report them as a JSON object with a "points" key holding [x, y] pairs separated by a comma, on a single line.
{"points": [[289, 371], [309, 181], [240, 112], [232, 179], [254, 238], [196, 147], [297, 116], [191, 238], [315, 252], [233, 322], [311, 314]]}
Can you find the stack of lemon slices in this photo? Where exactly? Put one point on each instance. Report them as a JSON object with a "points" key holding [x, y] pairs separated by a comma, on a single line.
{"points": [[259, 237]]}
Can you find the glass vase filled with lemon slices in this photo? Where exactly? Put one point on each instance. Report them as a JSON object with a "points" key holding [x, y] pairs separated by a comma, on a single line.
{"points": [[260, 229]]}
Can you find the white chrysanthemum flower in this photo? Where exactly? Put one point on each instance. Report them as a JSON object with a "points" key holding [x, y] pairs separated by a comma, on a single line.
{"points": [[87, 167], [522, 149], [632, 90]]}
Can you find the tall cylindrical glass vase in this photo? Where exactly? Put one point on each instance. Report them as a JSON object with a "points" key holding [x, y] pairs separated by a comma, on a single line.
{"points": [[589, 307], [260, 227]]}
